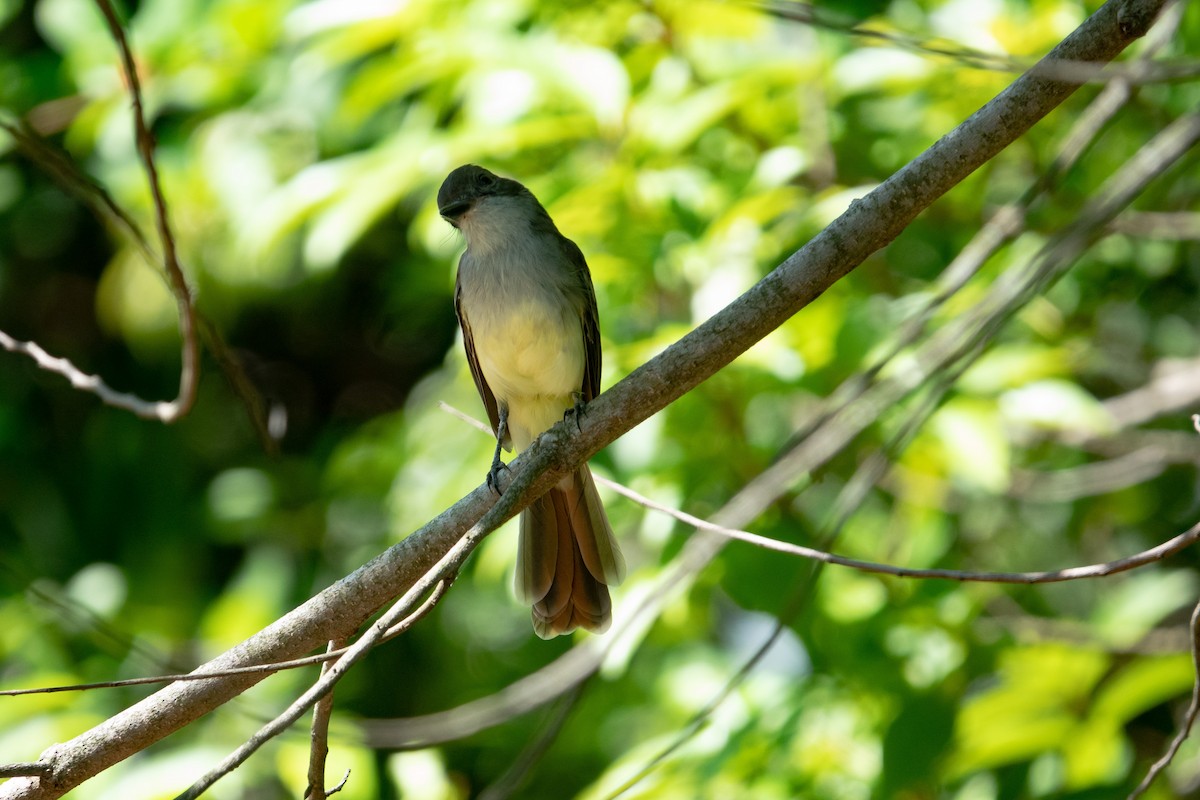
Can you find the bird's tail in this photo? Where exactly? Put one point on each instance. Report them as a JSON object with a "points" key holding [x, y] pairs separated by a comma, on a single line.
{"points": [[567, 558]]}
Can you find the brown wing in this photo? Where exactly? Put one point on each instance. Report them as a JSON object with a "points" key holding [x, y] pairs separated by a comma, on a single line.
{"points": [[485, 391], [590, 320]]}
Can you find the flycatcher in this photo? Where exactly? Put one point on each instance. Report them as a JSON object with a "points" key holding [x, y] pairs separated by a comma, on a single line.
{"points": [[525, 301]]}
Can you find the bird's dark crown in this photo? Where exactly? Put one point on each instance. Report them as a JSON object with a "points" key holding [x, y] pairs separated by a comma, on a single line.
{"points": [[468, 184]]}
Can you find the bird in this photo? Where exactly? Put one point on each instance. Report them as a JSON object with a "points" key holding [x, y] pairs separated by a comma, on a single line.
{"points": [[527, 308]]}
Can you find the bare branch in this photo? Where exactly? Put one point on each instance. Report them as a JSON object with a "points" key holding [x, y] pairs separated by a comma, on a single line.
{"points": [[63, 170], [1174, 386], [165, 411], [1167, 225], [160, 410], [68, 174], [850, 499], [319, 735], [341, 785], [1071, 70], [404, 609], [1012, 291], [260, 669], [580, 663], [472, 717], [465, 417], [1089, 480], [1189, 718], [23, 770], [575, 666], [189, 372], [1168, 548], [1005, 224]]}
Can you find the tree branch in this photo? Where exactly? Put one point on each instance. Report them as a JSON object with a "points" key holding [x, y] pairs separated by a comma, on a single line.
{"points": [[319, 737], [1174, 385], [69, 176], [189, 372], [1141, 72], [868, 225], [60, 168], [1158, 553], [1178, 225], [401, 612], [1189, 718], [22, 770], [262, 670]]}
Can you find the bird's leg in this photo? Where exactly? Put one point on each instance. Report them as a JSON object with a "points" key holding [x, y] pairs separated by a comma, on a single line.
{"points": [[576, 410], [493, 476]]}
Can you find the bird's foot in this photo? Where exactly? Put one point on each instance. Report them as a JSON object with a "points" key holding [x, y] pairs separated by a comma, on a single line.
{"points": [[576, 411], [493, 476]]}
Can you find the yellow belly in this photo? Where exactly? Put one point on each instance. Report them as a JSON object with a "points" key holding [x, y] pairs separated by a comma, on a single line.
{"points": [[532, 359]]}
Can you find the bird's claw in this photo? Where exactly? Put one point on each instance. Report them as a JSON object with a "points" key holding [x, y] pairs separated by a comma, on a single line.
{"points": [[576, 411], [493, 476]]}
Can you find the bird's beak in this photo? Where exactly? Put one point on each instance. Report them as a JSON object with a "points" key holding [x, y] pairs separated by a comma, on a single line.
{"points": [[454, 209]]}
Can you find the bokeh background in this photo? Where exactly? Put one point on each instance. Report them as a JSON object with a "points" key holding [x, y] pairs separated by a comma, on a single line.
{"points": [[687, 147]]}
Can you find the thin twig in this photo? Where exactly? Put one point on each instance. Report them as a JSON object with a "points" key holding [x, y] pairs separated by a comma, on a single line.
{"points": [[1134, 561], [1004, 225], [165, 411], [1067, 70], [399, 613], [68, 174], [273, 667], [852, 496], [277, 666], [465, 417], [319, 735], [1168, 225], [567, 672], [34, 769], [1100, 570], [341, 785], [849, 500], [189, 371], [1189, 718], [161, 410], [1174, 386], [62, 169]]}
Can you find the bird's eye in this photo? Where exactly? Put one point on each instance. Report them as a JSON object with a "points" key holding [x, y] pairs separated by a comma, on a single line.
{"points": [[487, 181]]}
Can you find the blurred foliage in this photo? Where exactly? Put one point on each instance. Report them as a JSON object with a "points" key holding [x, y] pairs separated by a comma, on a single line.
{"points": [[688, 148]]}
